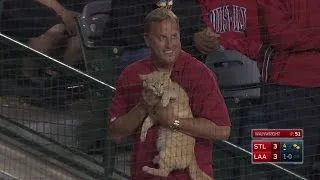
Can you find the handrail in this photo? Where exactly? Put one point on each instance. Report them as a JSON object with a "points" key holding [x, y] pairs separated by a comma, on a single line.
{"points": [[82, 163], [7, 176], [15, 42]]}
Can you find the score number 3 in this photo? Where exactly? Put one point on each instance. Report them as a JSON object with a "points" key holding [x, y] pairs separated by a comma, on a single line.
{"points": [[275, 147], [275, 157]]}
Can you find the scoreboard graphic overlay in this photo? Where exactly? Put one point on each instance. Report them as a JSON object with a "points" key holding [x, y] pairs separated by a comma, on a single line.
{"points": [[279, 146]]}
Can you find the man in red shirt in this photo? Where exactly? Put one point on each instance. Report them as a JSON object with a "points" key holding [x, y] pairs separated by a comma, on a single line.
{"points": [[211, 122]]}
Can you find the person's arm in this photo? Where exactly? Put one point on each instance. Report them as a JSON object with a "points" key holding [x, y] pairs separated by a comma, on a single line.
{"points": [[286, 30], [211, 119], [123, 121], [195, 127], [66, 15], [249, 47], [209, 109], [127, 124], [204, 128], [54, 5]]}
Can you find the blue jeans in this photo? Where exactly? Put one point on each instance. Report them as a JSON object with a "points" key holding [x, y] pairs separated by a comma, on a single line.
{"points": [[130, 56]]}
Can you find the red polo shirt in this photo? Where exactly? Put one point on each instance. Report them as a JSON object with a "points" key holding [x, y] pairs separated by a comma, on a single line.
{"points": [[206, 101]]}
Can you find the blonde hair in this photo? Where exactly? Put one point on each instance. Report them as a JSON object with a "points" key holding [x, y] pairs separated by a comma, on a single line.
{"points": [[157, 16]]}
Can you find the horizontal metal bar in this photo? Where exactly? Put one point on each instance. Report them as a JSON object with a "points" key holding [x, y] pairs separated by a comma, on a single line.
{"points": [[56, 61]]}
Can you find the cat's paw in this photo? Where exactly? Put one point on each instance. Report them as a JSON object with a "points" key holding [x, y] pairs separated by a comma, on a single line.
{"points": [[143, 136], [165, 101], [145, 168], [156, 159]]}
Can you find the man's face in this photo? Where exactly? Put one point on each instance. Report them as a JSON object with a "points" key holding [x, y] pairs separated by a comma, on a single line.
{"points": [[164, 41]]}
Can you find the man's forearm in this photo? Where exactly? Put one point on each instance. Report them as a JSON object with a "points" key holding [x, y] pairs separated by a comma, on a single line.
{"points": [[54, 5], [203, 128], [127, 124]]}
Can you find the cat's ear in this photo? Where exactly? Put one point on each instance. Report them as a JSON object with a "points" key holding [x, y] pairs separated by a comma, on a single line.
{"points": [[142, 77]]}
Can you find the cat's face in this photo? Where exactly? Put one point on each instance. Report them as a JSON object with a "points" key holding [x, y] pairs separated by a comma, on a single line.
{"points": [[156, 82]]}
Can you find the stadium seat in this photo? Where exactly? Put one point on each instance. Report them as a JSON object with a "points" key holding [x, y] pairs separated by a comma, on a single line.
{"points": [[93, 20], [98, 56], [100, 61], [239, 80], [238, 76]]}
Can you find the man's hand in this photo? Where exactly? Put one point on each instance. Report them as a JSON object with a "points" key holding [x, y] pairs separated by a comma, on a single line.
{"points": [[206, 41], [67, 17], [163, 115]]}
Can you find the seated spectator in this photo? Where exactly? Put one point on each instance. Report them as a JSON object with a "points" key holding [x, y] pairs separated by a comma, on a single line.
{"points": [[47, 26], [238, 30]]}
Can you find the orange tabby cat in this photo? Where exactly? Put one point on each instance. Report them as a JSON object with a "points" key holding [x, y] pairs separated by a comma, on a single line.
{"points": [[176, 149]]}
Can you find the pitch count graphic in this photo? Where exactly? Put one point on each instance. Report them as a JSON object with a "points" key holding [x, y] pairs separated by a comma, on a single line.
{"points": [[281, 146]]}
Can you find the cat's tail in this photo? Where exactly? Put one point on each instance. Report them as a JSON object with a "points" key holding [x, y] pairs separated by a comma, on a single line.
{"points": [[156, 172], [196, 173]]}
